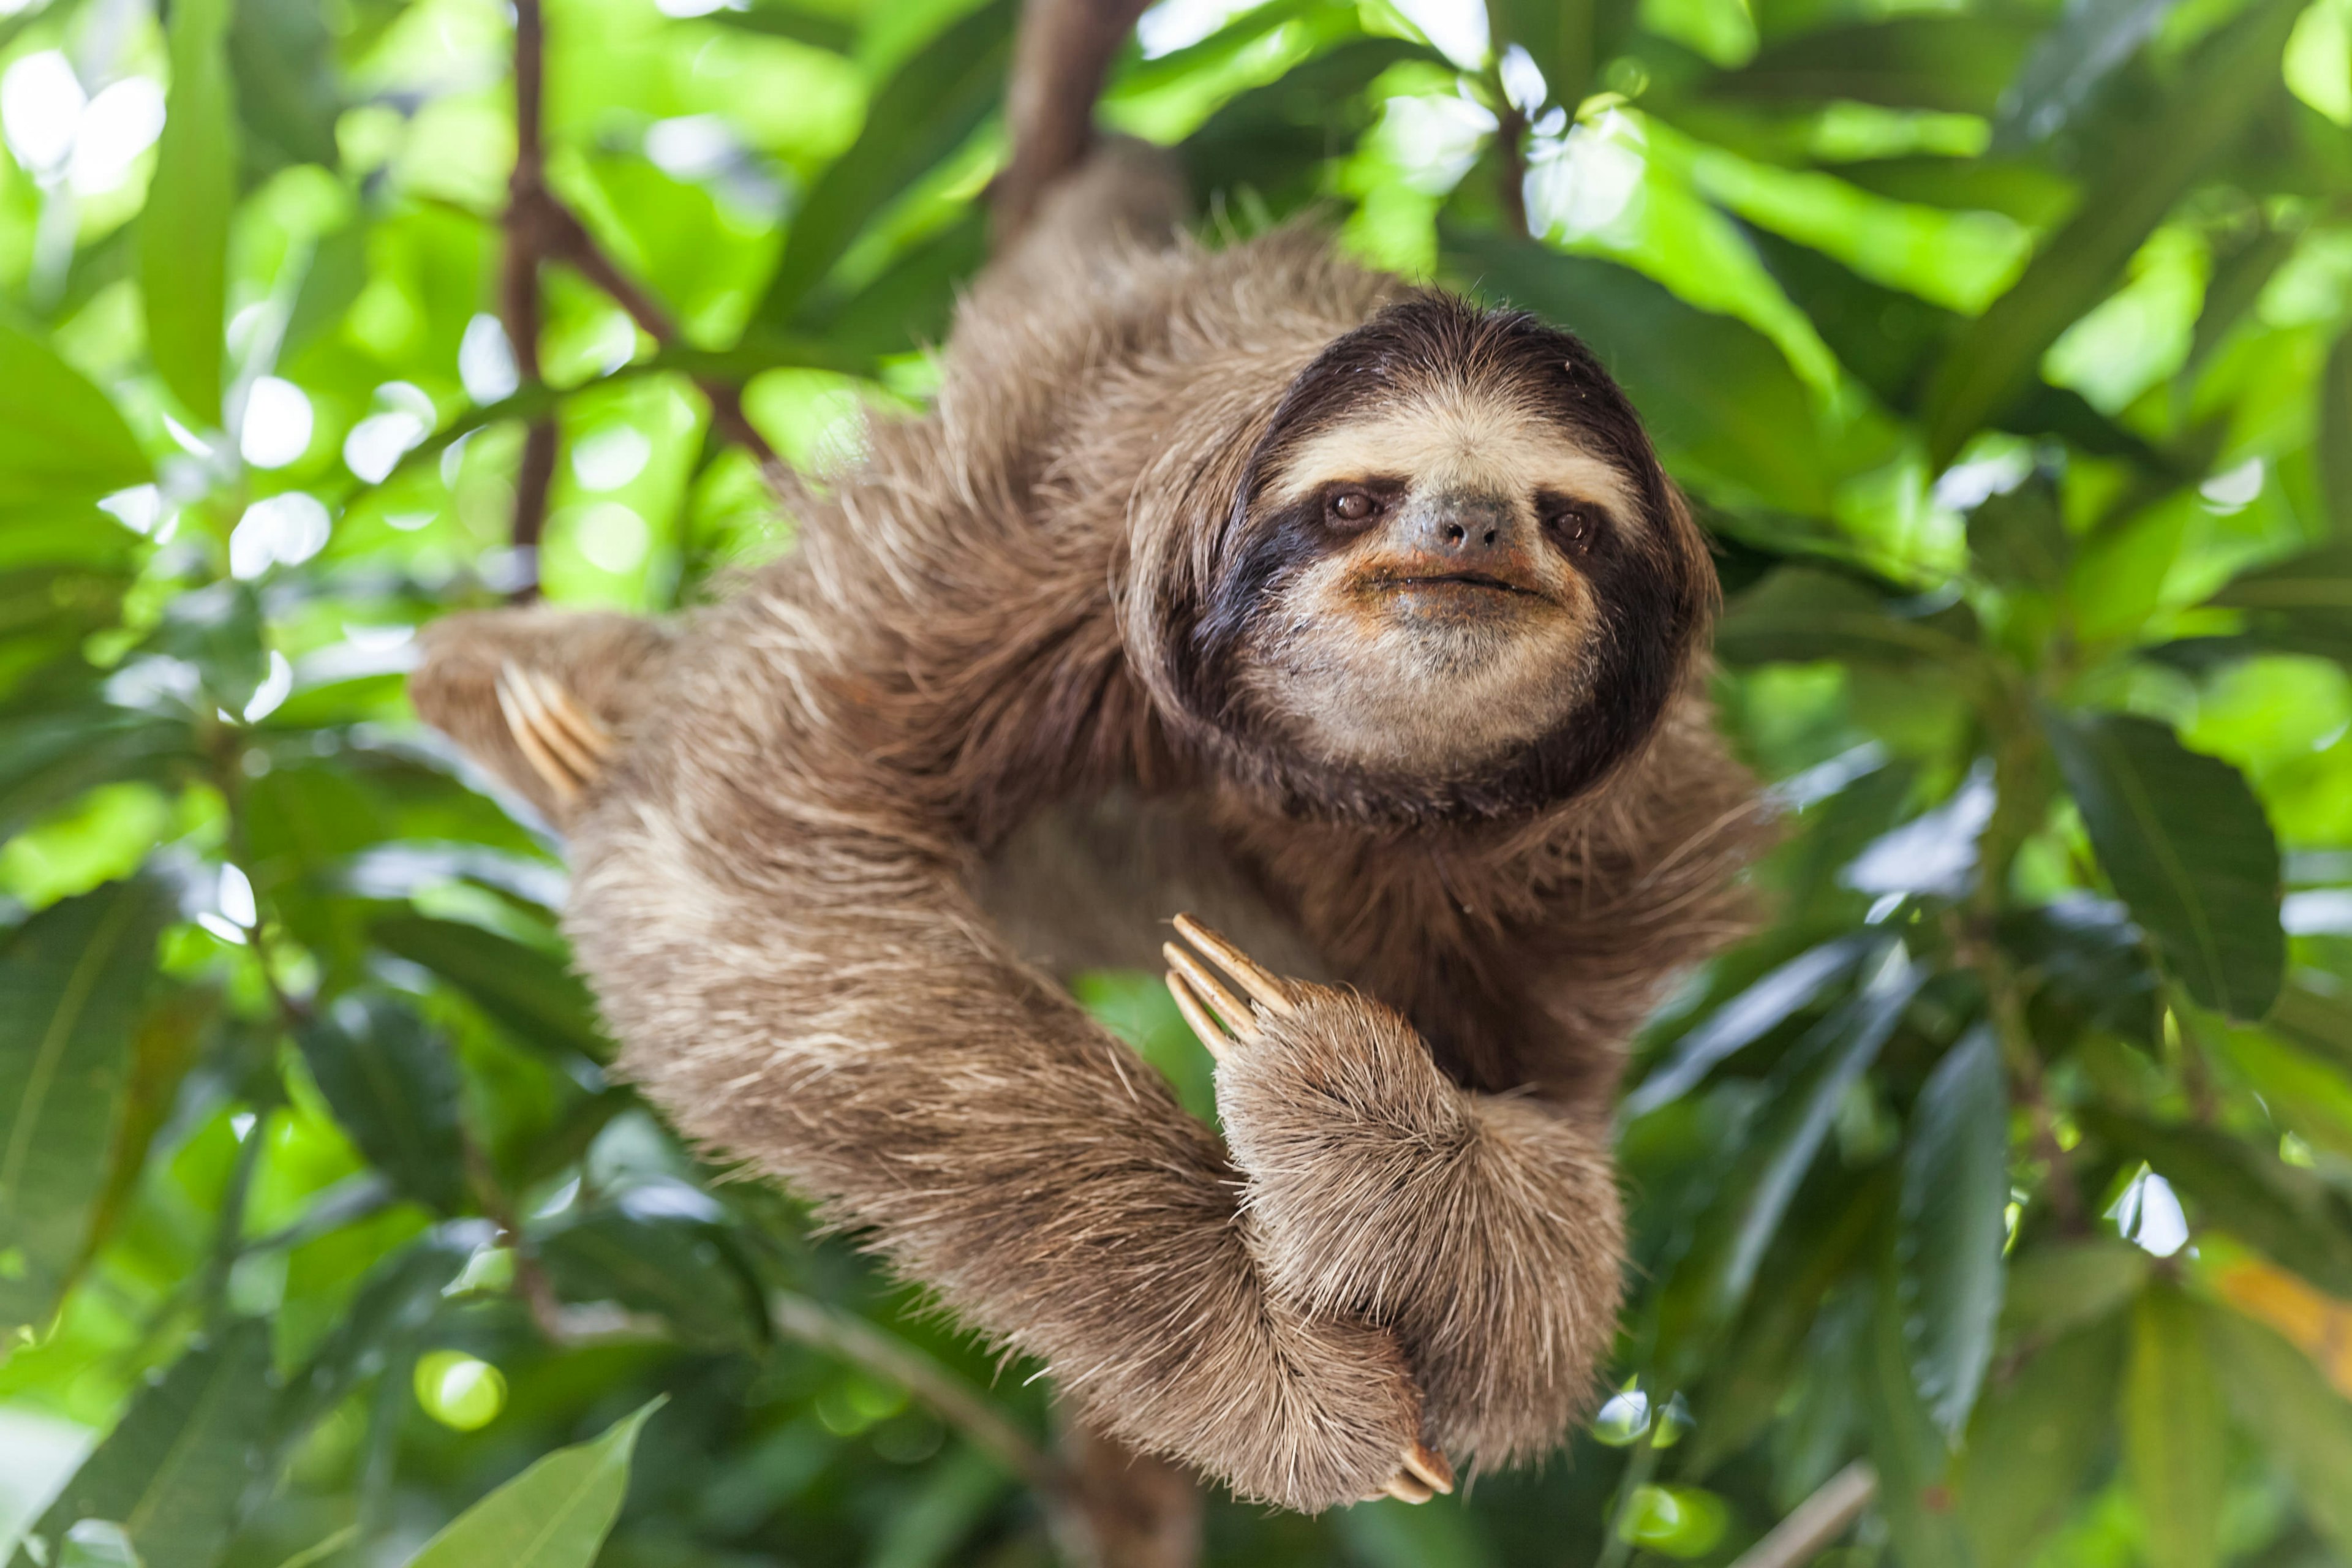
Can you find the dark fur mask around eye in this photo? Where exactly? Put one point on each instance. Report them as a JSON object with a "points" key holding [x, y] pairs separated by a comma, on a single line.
{"points": [[1652, 582]]}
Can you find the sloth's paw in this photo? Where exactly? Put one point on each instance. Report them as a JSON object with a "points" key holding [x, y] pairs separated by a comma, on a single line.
{"points": [[1276, 1013], [565, 744]]}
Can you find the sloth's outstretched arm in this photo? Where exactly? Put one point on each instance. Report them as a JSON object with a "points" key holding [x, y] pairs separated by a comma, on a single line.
{"points": [[776, 928], [1485, 1230]]}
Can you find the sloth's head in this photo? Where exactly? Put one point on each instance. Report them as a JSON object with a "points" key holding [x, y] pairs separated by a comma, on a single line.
{"points": [[1452, 579]]}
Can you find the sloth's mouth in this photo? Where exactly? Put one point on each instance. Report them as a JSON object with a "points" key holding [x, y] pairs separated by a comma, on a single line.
{"points": [[1463, 580]]}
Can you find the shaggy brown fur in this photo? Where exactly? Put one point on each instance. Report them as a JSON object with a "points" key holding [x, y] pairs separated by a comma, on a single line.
{"points": [[1007, 616]]}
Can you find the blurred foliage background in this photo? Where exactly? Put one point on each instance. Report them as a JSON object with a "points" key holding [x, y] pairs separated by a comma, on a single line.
{"points": [[2006, 1174]]}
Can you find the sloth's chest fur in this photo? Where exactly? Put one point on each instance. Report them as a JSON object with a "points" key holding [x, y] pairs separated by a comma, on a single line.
{"points": [[1092, 885]]}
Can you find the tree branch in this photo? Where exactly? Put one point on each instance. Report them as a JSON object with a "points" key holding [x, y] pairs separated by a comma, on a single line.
{"points": [[1059, 61], [1819, 1520]]}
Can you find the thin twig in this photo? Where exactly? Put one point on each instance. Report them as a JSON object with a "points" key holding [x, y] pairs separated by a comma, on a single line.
{"points": [[1510, 152], [518, 287], [1817, 1522]]}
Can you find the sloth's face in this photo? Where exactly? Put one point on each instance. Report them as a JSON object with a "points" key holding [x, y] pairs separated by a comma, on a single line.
{"points": [[1450, 578], [1438, 605]]}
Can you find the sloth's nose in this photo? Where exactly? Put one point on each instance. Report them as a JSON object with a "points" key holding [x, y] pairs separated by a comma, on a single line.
{"points": [[1467, 528]]}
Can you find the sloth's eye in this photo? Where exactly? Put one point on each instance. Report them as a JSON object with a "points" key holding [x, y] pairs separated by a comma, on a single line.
{"points": [[1353, 506], [1574, 524]]}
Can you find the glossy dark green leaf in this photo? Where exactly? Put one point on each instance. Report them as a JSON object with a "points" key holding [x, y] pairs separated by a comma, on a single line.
{"points": [[1960, 63], [1954, 1198], [174, 1471], [1728, 412], [1800, 615], [2035, 1437], [2088, 966], [73, 981], [524, 989], [184, 230], [2294, 1217], [2172, 1430], [1911, 1453], [2088, 43], [280, 59], [2188, 849], [1747, 1017], [1993, 361], [555, 1514], [62, 445], [165, 1044], [1712, 1278], [2280, 1399], [392, 1085], [917, 118]]}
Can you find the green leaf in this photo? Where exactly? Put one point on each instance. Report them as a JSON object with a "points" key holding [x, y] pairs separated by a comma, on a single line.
{"points": [[2056, 1289], [99, 1543], [553, 1515], [2304, 604], [657, 1262], [2334, 445], [1800, 615], [2034, 1438], [2292, 1217], [183, 231], [920, 116], [2321, 1023], [1911, 1453], [524, 989], [909, 303], [2189, 850], [1712, 1278], [174, 1472], [62, 444], [2173, 1449], [281, 58], [1747, 1017], [2280, 1398], [73, 980], [777, 19], [1719, 399], [397, 1302], [1954, 1198], [2019, 538], [2233, 76], [2091, 40], [1276, 140], [48, 759], [1959, 63], [394, 1086], [217, 628]]}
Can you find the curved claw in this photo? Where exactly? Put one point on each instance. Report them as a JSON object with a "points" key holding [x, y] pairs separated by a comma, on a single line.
{"points": [[565, 745], [1267, 988]]}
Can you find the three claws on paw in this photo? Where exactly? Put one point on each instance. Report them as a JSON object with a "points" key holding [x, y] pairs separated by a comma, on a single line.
{"points": [[1224, 1021], [565, 744]]}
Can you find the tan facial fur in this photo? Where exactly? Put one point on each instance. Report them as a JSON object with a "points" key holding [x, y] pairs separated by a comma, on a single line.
{"points": [[1365, 658]]}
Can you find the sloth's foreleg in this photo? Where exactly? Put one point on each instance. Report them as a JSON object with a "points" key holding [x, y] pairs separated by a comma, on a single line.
{"points": [[818, 999], [1486, 1230]]}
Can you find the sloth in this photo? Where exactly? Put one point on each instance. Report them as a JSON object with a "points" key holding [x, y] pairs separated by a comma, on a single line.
{"points": [[1354, 623]]}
